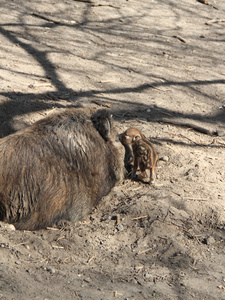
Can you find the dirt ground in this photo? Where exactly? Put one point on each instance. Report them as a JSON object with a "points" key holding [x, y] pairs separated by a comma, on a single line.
{"points": [[157, 65]]}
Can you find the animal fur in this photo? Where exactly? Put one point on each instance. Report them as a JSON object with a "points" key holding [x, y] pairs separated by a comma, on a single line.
{"points": [[126, 139], [140, 153], [59, 168], [145, 157]]}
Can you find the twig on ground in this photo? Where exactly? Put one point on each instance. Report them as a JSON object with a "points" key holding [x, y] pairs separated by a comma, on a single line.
{"points": [[140, 269], [156, 88], [90, 259], [97, 4], [60, 238], [117, 219], [25, 243], [190, 125], [203, 2], [52, 228], [144, 251], [117, 294], [221, 143], [141, 217], [86, 1], [210, 22], [100, 4], [169, 148], [167, 213], [206, 3], [57, 247], [53, 20], [179, 38], [221, 287], [195, 199], [193, 267], [163, 238], [218, 242], [100, 103], [188, 139]]}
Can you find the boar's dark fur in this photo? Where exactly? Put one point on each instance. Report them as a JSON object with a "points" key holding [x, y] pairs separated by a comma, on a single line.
{"points": [[59, 168]]}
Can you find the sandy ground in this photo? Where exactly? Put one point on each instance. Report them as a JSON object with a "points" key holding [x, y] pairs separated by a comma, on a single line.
{"points": [[152, 63]]}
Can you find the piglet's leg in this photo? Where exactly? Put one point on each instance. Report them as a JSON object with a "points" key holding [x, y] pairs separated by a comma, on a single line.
{"points": [[152, 175], [143, 171], [133, 173], [143, 174]]}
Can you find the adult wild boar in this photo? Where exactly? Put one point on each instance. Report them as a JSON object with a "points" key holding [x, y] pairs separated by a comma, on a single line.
{"points": [[58, 168]]}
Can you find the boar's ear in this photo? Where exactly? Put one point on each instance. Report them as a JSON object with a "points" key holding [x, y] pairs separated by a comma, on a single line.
{"points": [[107, 125], [102, 122]]}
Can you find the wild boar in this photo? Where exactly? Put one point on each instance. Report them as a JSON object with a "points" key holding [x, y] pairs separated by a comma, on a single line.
{"points": [[126, 139], [140, 153], [145, 157], [58, 168]]}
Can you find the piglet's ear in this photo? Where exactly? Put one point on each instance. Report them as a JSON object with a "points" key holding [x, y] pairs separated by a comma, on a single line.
{"points": [[136, 138]]}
